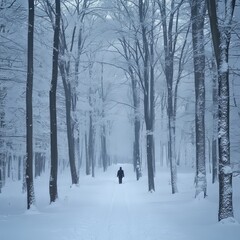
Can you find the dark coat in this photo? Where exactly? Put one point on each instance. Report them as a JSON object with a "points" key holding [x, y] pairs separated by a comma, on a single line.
{"points": [[120, 173]]}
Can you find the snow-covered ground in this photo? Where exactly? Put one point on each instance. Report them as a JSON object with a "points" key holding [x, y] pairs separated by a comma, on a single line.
{"points": [[101, 209]]}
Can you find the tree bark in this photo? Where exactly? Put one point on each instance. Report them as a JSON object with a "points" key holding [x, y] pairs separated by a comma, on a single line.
{"points": [[104, 155], [221, 35], [53, 111], [87, 154], [19, 167], [169, 40], [91, 144], [148, 95], [215, 123], [29, 109], [137, 160], [80, 44], [136, 105], [104, 148], [70, 123], [198, 10]]}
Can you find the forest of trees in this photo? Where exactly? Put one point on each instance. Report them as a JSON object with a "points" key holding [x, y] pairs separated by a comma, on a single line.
{"points": [[62, 63]]}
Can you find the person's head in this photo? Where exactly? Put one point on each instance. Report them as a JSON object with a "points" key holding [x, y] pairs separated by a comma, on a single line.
{"points": [[120, 168]]}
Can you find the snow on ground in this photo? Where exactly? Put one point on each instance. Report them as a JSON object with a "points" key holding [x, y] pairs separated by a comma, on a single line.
{"points": [[101, 209]]}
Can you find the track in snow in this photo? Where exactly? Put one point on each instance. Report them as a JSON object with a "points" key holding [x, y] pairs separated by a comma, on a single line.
{"points": [[101, 209]]}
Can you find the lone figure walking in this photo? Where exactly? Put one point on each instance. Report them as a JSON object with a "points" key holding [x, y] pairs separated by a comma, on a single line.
{"points": [[120, 175]]}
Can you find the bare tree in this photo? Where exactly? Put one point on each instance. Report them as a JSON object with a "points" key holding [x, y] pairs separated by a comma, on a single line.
{"points": [[103, 95], [3, 4], [144, 45], [137, 46], [170, 15], [80, 9], [198, 10], [220, 23], [71, 51], [53, 109], [215, 121], [29, 109], [91, 113], [127, 54]]}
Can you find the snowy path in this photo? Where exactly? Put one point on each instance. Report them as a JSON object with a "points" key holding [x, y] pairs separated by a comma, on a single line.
{"points": [[101, 209]]}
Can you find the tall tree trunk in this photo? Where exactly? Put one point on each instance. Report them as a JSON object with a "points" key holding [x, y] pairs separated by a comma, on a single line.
{"points": [[104, 148], [79, 154], [136, 105], [71, 139], [70, 101], [225, 170], [91, 141], [9, 165], [37, 164], [215, 123], [74, 132], [152, 86], [29, 109], [87, 154], [19, 167], [3, 94], [221, 35], [171, 148], [53, 111], [70, 123], [137, 159], [169, 39], [80, 44], [137, 125], [198, 10], [24, 184], [104, 155], [148, 98]]}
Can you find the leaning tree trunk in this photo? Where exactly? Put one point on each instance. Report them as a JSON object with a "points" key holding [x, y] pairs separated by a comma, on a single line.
{"points": [[221, 35], [198, 10], [29, 114], [53, 108]]}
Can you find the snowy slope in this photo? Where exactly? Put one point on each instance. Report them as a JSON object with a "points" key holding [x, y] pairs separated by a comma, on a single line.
{"points": [[101, 209]]}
